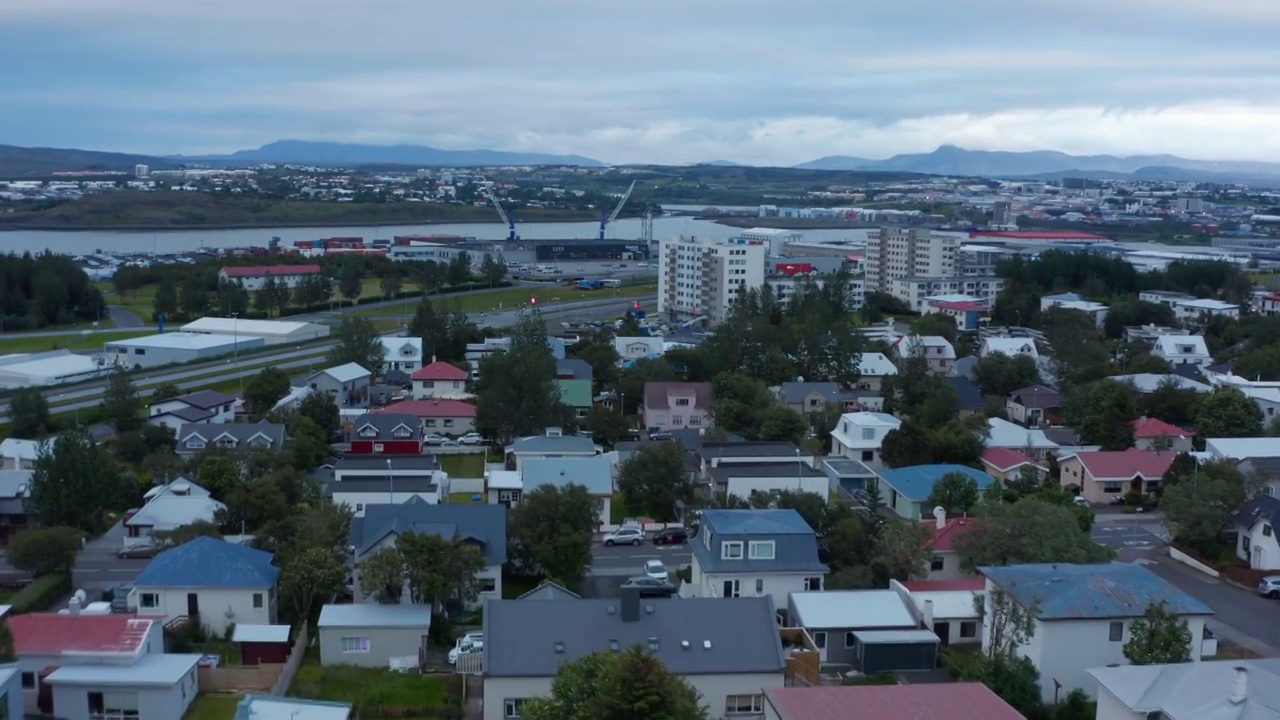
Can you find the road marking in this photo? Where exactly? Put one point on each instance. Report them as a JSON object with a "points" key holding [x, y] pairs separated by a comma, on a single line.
{"points": [[1136, 543]]}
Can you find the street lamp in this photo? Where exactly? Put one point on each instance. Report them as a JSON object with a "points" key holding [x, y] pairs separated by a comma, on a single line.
{"points": [[799, 471], [391, 484]]}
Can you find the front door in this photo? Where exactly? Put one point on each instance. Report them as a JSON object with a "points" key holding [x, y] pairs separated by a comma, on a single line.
{"points": [[193, 605], [731, 588]]}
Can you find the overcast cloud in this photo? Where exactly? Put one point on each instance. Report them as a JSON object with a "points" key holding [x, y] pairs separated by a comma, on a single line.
{"points": [[665, 81]]}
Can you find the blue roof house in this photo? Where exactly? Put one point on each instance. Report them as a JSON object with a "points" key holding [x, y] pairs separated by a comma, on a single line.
{"points": [[595, 473], [1083, 615], [753, 553], [211, 582], [906, 489]]}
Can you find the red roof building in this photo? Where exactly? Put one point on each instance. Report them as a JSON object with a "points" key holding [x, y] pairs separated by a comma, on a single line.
{"points": [[51, 634], [1151, 428], [1040, 235], [923, 701], [961, 305], [944, 537], [439, 370], [432, 408], [1104, 475], [1006, 464]]}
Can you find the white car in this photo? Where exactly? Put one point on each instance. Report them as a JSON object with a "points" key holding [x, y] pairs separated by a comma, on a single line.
{"points": [[656, 570], [434, 439], [472, 642], [624, 536], [471, 439], [1080, 500]]}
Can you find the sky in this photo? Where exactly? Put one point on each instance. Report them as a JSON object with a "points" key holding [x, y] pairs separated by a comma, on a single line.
{"points": [[764, 82]]}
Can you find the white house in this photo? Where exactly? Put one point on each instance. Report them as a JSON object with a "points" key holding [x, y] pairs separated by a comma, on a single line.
{"points": [[154, 687], [951, 608], [1217, 689], [167, 508], [1194, 309], [873, 368], [746, 553], [771, 478], [1074, 301], [439, 381], [594, 473], [1082, 615], [1241, 448], [1012, 347], [18, 454], [635, 348], [936, 350], [859, 435], [209, 581], [728, 651], [203, 406], [1257, 522], [401, 353], [1182, 350], [1029, 441], [253, 278]]}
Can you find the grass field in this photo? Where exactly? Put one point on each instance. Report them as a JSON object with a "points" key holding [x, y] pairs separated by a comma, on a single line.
{"points": [[368, 687], [461, 498], [462, 465], [70, 341], [220, 706], [510, 298]]}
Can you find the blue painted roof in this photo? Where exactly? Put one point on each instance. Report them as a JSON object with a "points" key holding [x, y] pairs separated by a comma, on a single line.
{"points": [[916, 482], [1083, 592], [595, 473], [756, 522], [210, 562]]}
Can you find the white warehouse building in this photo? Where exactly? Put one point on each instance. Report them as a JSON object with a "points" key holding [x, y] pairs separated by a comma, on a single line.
{"points": [[272, 332], [48, 368], [172, 348]]}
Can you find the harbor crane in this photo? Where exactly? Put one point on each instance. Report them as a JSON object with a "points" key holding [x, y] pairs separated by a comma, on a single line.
{"points": [[508, 218], [605, 220]]}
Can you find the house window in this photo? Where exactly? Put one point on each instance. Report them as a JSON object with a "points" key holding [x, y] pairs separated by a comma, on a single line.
{"points": [[257, 601], [430, 422], [28, 681], [660, 420], [820, 639], [113, 705], [868, 433], [677, 419], [448, 422], [744, 705], [195, 444], [512, 707], [1266, 530], [226, 442], [682, 402], [1117, 631], [368, 431], [695, 419], [849, 640], [355, 644], [759, 586], [486, 584], [812, 584], [731, 550], [968, 629], [258, 442], [937, 563], [149, 600], [760, 550], [402, 432]]}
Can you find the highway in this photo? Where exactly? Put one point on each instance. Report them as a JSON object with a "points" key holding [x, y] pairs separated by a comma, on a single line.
{"points": [[196, 375]]}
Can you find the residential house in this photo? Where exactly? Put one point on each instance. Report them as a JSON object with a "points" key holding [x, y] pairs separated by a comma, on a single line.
{"points": [[209, 581], [1006, 465], [1029, 441], [15, 488], [442, 416], [1008, 346], [906, 490], [11, 695], [1189, 691], [637, 348], [944, 564], [729, 651], [1265, 469], [401, 353], [849, 627], [917, 701], [1147, 383], [951, 608], [268, 707], [504, 487], [1257, 522], [167, 508], [594, 473], [1083, 615], [745, 452], [203, 406], [1097, 312], [573, 376], [554, 443], [44, 642], [1103, 475], [741, 553], [477, 352], [936, 350], [1156, 434], [859, 435], [1182, 350], [744, 479], [849, 479], [483, 526], [811, 399], [1241, 448], [966, 314], [373, 635], [19, 454], [386, 433], [358, 481], [1035, 405], [968, 393], [195, 438], [548, 590], [440, 381], [674, 405], [347, 384], [873, 368], [154, 687]]}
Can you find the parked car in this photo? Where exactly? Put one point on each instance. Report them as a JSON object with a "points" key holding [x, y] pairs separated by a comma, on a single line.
{"points": [[671, 536], [465, 647], [624, 536], [656, 570], [1269, 586], [136, 552], [1080, 500], [650, 587], [471, 439], [449, 443], [434, 439], [660, 435]]}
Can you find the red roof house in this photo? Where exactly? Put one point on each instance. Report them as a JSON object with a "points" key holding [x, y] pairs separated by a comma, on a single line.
{"points": [[439, 370], [439, 381], [53, 635], [922, 701], [1104, 475], [450, 417], [975, 584], [1153, 434], [1005, 463]]}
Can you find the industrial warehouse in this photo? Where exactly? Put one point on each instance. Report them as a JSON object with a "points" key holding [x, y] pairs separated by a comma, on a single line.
{"points": [[172, 348], [47, 368], [272, 332]]}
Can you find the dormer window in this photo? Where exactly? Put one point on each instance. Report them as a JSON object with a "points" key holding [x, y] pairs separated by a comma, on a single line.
{"points": [[226, 442], [731, 550], [402, 432], [195, 443], [260, 442], [760, 550], [682, 402], [368, 431]]}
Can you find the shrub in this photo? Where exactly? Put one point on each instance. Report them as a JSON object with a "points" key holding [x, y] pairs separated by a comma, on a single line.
{"points": [[41, 594]]}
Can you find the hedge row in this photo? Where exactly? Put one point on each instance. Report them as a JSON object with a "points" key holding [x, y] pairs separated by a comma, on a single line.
{"points": [[41, 594]]}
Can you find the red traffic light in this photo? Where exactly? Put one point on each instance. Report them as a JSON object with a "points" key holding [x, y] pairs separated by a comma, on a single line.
{"points": [[533, 300]]}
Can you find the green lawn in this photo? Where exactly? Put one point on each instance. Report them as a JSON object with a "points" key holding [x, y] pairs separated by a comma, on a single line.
{"points": [[510, 298], [70, 341], [221, 706], [461, 498], [407, 693], [466, 465]]}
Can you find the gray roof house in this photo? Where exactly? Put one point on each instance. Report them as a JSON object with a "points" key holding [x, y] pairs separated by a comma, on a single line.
{"points": [[744, 479], [15, 487], [194, 438], [372, 635], [1237, 689], [745, 553], [386, 426], [873, 630], [1257, 522], [574, 368], [347, 384], [595, 473], [484, 526], [553, 443], [548, 590], [728, 650], [968, 393], [812, 398]]}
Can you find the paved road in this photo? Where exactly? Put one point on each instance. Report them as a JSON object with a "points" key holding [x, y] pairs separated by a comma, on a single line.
{"points": [[1240, 616], [97, 566], [1130, 532], [126, 318], [628, 560]]}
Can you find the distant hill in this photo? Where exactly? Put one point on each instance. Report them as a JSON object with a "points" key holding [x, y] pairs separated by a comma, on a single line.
{"points": [[19, 162], [1049, 164], [721, 163], [349, 155]]}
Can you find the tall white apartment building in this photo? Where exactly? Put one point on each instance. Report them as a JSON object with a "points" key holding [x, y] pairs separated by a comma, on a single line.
{"points": [[703, 278], [898, 252]]}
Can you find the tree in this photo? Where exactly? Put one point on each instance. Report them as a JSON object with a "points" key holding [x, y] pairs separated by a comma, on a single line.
{"points": [[358, 341], [782, 423], [1012, 624], [904, 446], [459, 270], [264, 390], [29, 413], [231, 298], [999, 374], [45, 550], [1159, 637], [629, 685], [445, 330], [390, 286], [73, 479], [655, 481], [902, 552], [738, 403], [599, 352], [351, 283], [165, 391], [265, 300], [551, 532], [1227, 413], [220, 475], [607, 426], [1199, 508], [954, 492], [322, 411], [313, 575], [8, 653], [1027, 531], [631, 381], [165, 302], [193, 296], [1106, 415], [493, 271], [186, 533], [517, 393], [439, 569], [120, 404], [382, 576]]}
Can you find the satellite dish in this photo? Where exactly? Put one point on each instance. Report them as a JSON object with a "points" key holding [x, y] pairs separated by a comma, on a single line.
{"points": [[799, 378]]}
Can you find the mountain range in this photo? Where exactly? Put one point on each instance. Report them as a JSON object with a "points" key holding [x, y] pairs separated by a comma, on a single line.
{"points": [[302, 152]]}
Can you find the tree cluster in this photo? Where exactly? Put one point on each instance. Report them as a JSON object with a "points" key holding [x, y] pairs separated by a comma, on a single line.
{"points": [[435, 570], [743, 405], [517, 393], [74, 480], [655, 481], [550, 533], [444, 328], [959, 442], [357, 341], [37, 291], [1033, 529], [627, 685]]}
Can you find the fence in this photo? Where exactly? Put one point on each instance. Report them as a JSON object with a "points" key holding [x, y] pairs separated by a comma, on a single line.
{"points": [[264, 677], [290, 669]]}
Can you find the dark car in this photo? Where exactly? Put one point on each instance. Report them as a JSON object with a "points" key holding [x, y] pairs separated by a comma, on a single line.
{"points": [[671, 536], [650, 587]]}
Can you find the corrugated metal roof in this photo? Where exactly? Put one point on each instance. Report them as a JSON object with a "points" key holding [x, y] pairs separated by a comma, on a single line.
{"points": [[595, 473], [1199, 690], [916, 481], [886, 637], [923, 701], [949, 604], [209, 562], [852, 609], [265, 707], [373, 615], [1075, 592]]}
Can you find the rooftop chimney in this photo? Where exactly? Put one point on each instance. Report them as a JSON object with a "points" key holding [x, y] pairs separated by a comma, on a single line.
{"points": [[630, 604], [73, 607], [926, 615], [940, 517], [1240, 685]]}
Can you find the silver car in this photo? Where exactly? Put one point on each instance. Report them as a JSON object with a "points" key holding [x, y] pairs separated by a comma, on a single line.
{"points": [[624, 536], [1269, 586]]}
